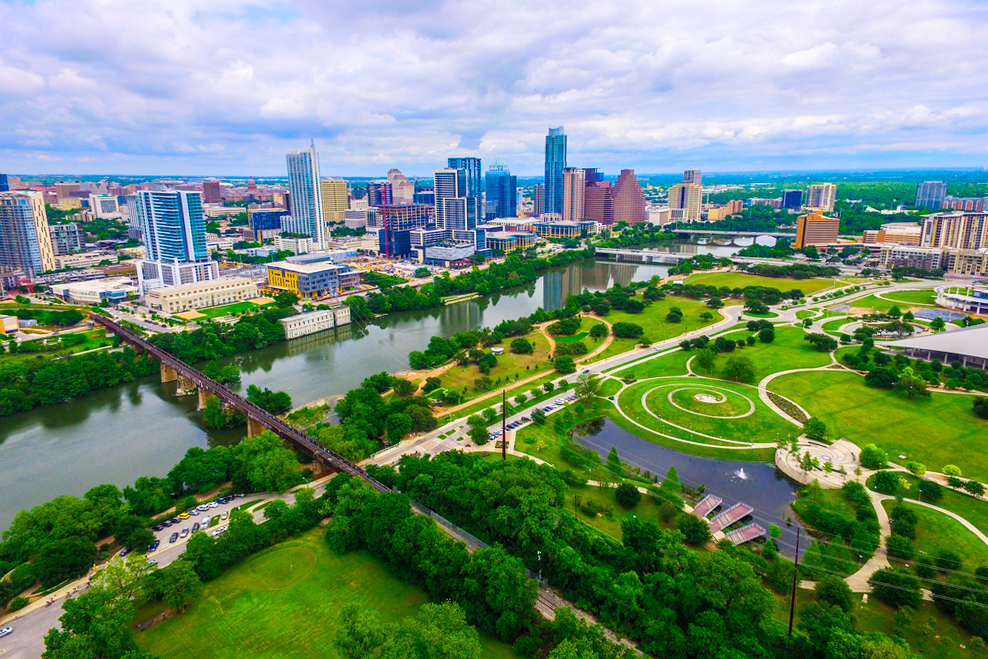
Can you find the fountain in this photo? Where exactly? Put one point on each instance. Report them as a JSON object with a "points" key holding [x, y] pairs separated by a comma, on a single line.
{"points": [[740, 474]]}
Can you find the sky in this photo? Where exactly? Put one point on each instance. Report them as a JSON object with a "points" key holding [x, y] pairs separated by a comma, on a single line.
{"points": [[228, 87]]}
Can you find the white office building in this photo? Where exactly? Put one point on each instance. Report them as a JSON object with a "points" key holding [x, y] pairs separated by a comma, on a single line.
{"points": [[304, 184], [173, 228], [104, 206]]}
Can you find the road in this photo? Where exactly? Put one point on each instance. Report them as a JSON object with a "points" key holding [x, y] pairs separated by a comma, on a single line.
{"points": [[32, 623]]}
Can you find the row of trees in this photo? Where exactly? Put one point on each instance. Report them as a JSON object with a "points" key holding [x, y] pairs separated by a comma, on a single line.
{"points": [[215, 340]]}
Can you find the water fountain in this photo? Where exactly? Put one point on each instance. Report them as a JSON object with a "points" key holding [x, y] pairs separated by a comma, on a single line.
{"points": [[739, 473]]}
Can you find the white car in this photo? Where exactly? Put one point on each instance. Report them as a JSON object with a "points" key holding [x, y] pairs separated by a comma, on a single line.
{"points": [[6, 631]]}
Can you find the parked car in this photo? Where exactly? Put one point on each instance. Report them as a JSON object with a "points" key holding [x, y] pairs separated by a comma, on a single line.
{"points": [[195, 527], [225, 515], [154, 546], [125, 551], [153, 561], [183, 516], [185, 533], [205, 523], [173, 538], [158, 527]]}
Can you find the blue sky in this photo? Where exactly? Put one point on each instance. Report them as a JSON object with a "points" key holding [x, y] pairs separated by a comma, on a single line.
{"points": [[227, 87]]}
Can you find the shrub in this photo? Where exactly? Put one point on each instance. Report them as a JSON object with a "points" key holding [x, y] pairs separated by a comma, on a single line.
{"points": [[930, 491], [873, 457], [886, 482], [18, 603], [948, 561], [917, 468], [904, 521], [627, 495], [975, 488], [896, 587], [815, 428], [835, 591], [695, 530], [900, 547], [952, 470], [766, 335], [981, 407], [627, 330]]}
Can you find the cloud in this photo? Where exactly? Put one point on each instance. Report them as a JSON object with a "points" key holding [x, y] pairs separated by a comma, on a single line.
{"points": [[229, 86]]}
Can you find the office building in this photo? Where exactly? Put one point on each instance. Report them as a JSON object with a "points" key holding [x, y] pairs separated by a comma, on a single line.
{"points": [[293, 244], [304, 185], [379, 193], [84, 260], [976, 204], [402, 190], [538, 199], [114, 290], [792, 199], [820, 197], [686, 198], [574, 183], [104, 206], [265, 223], [201, 295], [628, 199], [67, 238], [693, 176], [509, 241], [555, 163], [63, 191], [173, 228], [212, 192], [598, 205], [471, 170], [930, 194], [424, 197], [816, 229], [451, 200], [4, 183], [313, 280], [395, 223], [901, 233], [335, 200], [315, 321], [25, 240], [501, 192], [955, 230]]}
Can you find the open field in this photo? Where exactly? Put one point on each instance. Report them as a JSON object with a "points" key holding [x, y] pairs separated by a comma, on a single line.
{"points": [[653, 321], [936, 532], [259, 609], [971, 509], [510, 367], [926, 296], [876, 304], [672, 364], [936, 431], [740, 280], [789, 350], [229, 309], [92, 340], [647, 509]]}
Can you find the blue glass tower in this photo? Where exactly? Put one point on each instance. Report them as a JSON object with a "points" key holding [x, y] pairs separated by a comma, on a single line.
{"points": [[555, 163], [502, 192]]}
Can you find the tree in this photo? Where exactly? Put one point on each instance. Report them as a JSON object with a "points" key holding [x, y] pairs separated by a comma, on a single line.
{"points": [[834, 591], [937, 324], [126, 578], [478, 430], [565, 365], [929, 491], [548, 387], [179, 584], [913, 385], [695, 530], [814, 428], [766, 335], [522, 347], [896, 587], [675, 315], [740, 368], [275, 402], [873, 457], [64, 559], [598, 331], [538, 416], [705, 359], [95, 625], [882, 377], [974, 487], [887, 482], [264, 464], [627, 330], [980, 405], [359, 632], [756, 307], [821, 342], [900, 547], [397, 425], [614, 461], [715, 303], [627, 495], [431, 384], [588, 385], [403, 387]]}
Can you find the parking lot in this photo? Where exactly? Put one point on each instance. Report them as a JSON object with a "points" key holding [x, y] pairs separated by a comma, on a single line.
{"points": [[519, 421]]}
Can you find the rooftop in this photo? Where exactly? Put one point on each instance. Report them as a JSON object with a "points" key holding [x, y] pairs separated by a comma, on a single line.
{"points": [[970, 341], [309, 268]]}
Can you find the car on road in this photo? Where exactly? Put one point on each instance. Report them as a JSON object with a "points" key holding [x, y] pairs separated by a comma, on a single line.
{"points": [[205, 523], [525, 419], [6, 631], [225, 515], [185, 533], [125, 551], [587, 370], [153, 561], [559, 401], [173, 538], [195, 527], [213, 505], [183, 516], [154, 546], [238, 496]]}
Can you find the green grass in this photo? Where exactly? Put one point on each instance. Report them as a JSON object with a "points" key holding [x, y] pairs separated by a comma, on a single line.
{"points": [[229, 309], [647, 509], [805, 313], [926, 296], [835, 325], [936, 532], [610, 387], [579, 336], [878, 305], [739, 280], [971, 509], [510, 367], [653, 321], [789, 350], [936, 431], [526, 389], [671, 364], [285, 601], [93, 339]]}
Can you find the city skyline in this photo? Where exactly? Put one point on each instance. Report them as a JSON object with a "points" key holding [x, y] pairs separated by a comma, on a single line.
{"points": [[150, 88]]}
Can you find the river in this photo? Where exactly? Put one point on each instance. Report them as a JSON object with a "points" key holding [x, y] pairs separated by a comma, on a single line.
{"points": [[138, 429]]}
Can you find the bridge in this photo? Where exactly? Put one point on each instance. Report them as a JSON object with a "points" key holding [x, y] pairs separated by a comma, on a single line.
{"points": [[671, 258], [732, 234], [258, 419]]}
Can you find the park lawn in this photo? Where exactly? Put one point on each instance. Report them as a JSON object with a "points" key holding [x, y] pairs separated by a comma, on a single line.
{"points": [[510, 367], [876, 304], [762, 425], [926, 296], [647, 509], [609, 387], [936, 532], [788, 351], [971, 509], [740, 280], [653, 321], [230, 309], [579, 336], [527, 389], [671, 364], [260, 610], [936, 431], [802, 314], [93, 339], [832, 326]]}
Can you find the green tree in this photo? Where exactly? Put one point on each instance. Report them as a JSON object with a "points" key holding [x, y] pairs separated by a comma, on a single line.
{"points": [[478, 430], [95, 625], [403, 387], [705, 359], [627, 495], [937, 324], [359, 632], [834, 591], [897, 587], [179, 585], [522, 347], [814, 428], [695, 530], [397, 425], [614, 461], [766, 335], [264, 464], [538, 416], [64, 559], [741, 369], [873, 457], [588, 386], [565, 365]]}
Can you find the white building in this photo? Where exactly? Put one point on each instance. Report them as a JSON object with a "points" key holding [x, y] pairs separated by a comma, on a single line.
{"points": [[83, 260], [104, 206], [200, 295], [307, 217], [821, 197], [299, 245], [315, 321], [114, 290]]}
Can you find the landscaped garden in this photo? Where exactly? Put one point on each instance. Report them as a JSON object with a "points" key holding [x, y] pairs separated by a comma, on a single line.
{"points": [[937, 533]]}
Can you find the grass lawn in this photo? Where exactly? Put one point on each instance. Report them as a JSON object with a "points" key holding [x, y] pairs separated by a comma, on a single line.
{"points": [[723, 420], [653, 321], [740, 280], [805, 313], [971, 509], [259, 609], [935, 532], [925, 296], [671, 364], [229, 309], [834, 325], [789, 350], [92, 339], [510, 367], [879, 305], [936, 431], [528, 389], [647, 509]]}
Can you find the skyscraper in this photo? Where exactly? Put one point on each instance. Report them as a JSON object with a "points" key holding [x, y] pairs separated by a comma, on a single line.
{"points": [[173, 228], [379, 193], [629, 200], [686, 198], [821, 197], [538, 199], [555, 163], [574, 182], [502, 192], [335, 200], [25, 242], [402, 190], [597, 202], [306, 193], [471, 169], [693, 176], [792, 198], [4, 186], [211, 192], [451, 199], [815, 229], [930, 194]]}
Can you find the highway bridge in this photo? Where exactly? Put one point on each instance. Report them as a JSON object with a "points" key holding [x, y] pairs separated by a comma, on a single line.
{"points": [[258, 419]]}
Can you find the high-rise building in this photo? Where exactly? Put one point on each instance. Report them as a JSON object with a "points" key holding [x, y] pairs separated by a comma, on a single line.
{"points": [[455, 210], [792, 198], [628, 199], [25, 242], [67, 238], [501, 192], [821, 197], [693, 176], [4, 184], [396, 222], [471, 168], [335, 199], [685, 200], [816, 229], [212, 192], [930, 194], [538, 199], [955, 230], [306, 194], [597, 202], [379, 193], [574, 183], [104, 206], [402, 190], [173, 228], [555, 163]]}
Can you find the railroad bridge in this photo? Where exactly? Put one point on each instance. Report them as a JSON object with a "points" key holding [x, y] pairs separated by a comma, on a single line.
{"points": [[258, 419]]}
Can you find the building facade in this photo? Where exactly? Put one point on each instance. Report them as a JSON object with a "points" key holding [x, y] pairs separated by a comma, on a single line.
{"points": [[104, 206], [402, 190], [212, 192], [930, 194], [335, 200], [574, 185], [628, 199], [688, 199], [201, 295], [25, 239], [313, 280], [501, 192], [821, 197], [173, 228], [555, 163], [67, 238], [693, 176], [792, 199], [816, 229], [598, 205], [113, 290], [265, 223], [395, 223], [304, 185], [315, 321], [956, 230]]}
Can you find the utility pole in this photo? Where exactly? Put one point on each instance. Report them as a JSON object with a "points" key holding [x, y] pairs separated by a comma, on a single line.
{"points": [[504, 424], [795, 577]]}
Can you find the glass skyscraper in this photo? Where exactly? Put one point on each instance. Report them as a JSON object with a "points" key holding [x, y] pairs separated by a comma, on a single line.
{"points": [[173, 228], [25, 241], [502, 192], [306, 194], [555, 163], [471, 172]]}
